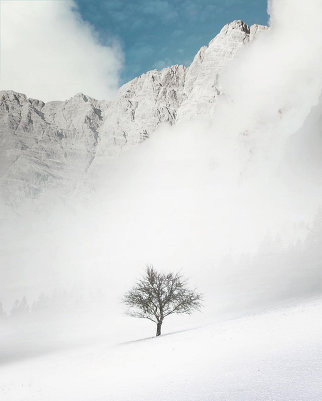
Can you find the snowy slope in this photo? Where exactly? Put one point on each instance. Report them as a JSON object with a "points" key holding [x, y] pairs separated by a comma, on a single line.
{"points": [[53, 144], [276, 356]]}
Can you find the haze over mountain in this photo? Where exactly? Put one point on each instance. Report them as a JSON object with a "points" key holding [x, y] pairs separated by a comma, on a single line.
{"points": [[53, 144], [214, 158]]}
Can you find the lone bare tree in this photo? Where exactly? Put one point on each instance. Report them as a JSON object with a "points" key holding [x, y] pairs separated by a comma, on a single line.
{"points": [[158, 295]]}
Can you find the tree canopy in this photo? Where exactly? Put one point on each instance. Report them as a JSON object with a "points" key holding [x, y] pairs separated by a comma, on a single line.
{"points": [[158, 295]]}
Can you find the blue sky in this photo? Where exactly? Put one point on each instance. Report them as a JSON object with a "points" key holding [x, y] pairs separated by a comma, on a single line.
{"points": [[159, 33]]}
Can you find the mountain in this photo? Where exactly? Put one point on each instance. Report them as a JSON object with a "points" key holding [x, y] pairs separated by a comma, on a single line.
{"points": [[45, 145]]}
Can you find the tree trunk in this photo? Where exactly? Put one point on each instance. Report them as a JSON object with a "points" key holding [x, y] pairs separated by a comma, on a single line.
{"points": [[159, 324]]}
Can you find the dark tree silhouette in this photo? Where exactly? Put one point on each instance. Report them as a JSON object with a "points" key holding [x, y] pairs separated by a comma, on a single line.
{"points": [[2, 312], [20, 308], [158, 295]]}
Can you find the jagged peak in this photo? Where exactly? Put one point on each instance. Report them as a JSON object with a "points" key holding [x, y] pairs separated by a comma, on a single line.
{"points": [[20, 98], [238, 24], [155, 71], [152, 74], [11, 94], [81, 96]]}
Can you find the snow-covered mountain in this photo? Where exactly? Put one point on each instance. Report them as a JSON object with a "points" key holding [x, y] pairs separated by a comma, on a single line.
{"points": [[48, 144]]}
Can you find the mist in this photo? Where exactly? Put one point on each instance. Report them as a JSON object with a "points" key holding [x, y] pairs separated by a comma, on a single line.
{"points": [[232, 202]]}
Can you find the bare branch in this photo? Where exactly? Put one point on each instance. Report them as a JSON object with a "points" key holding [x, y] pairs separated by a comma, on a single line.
{"points": [[157, 295]]}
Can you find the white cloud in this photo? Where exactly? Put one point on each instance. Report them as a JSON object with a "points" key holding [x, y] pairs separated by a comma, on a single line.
{"points": [[50, 53]]}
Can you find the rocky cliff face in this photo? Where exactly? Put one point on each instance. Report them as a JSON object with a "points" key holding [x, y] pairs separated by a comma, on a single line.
{"points": [[202, 83], [48, 144], [45, 144]]}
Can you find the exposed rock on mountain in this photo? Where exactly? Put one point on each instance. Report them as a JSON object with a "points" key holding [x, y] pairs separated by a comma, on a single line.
{"points": [[44, 144], [202, 84], [49, 144]]}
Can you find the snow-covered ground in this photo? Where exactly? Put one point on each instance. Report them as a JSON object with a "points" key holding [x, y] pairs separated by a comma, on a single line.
{"points": [[275, 356]]}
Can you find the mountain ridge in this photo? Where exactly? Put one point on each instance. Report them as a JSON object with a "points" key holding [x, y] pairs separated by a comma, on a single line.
{"points": [[54, 143]]}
